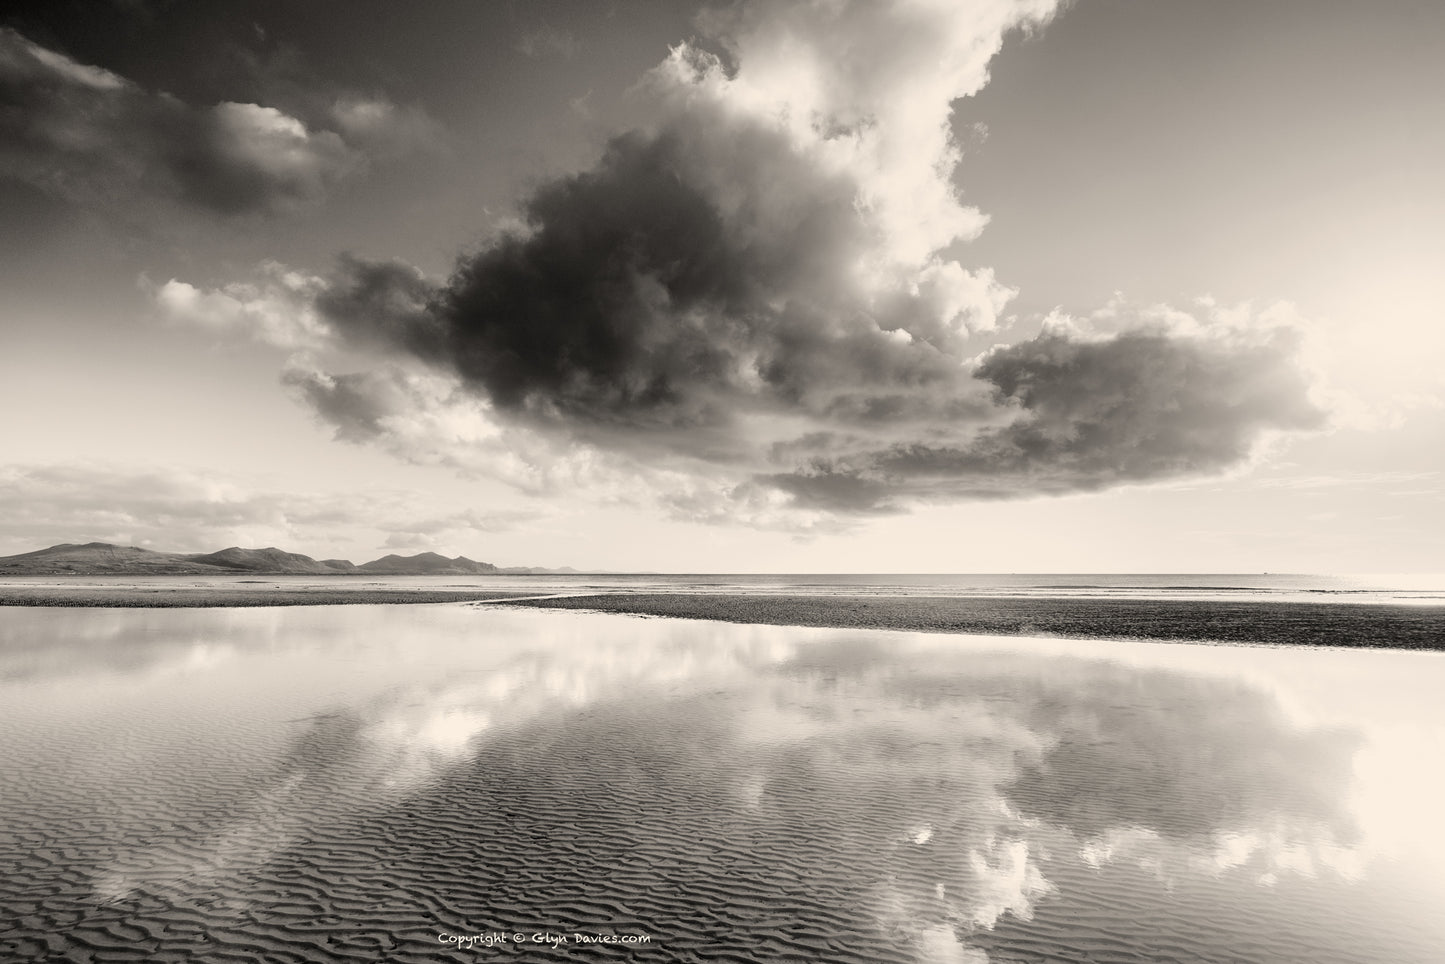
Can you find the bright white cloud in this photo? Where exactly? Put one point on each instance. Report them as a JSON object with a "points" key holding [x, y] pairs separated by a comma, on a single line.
{"points": [[277, 308]]}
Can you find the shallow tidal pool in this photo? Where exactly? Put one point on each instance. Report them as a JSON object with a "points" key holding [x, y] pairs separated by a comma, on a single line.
{"points": [[462, 782]]}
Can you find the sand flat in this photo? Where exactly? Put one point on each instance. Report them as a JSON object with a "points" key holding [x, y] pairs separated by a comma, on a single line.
{"points": [[1219, 614], [1320, 624]]}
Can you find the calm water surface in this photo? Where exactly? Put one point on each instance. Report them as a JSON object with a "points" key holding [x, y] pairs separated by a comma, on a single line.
{"points": [[374, 783], [1426, 589]]}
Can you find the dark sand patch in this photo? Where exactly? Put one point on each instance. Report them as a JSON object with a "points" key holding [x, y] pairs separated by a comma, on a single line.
{"points": [[1313, 624]]}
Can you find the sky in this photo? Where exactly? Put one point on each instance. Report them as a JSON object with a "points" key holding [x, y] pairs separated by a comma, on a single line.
{"points": [[795, 286]]}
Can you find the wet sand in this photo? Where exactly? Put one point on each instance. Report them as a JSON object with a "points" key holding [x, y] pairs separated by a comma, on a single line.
{"points": [[342, 784], [1322, 624], [338, 785], [1199, 620]]}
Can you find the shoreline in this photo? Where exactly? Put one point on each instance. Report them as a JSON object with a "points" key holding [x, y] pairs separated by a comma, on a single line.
{"points": [[1351, 625], [199, 597]]}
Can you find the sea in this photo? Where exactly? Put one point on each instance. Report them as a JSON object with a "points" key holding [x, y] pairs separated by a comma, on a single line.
{"points": [[469, 781], [1381, 589]]}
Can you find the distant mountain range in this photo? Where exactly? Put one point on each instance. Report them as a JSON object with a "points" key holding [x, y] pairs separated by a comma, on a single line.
{"points": [[102, 558]]}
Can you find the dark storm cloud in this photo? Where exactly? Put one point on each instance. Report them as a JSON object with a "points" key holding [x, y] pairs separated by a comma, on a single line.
{"points": [[631, 304], [1086, 415], [556, 323], [844, 493], [1143, 404], [98, 139], [633, 299], [381, 302], [588, 316], [754, 290], [355, 403]]}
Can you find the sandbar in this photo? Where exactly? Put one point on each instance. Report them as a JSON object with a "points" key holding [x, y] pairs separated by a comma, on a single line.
{"points": [[1314, 624]]}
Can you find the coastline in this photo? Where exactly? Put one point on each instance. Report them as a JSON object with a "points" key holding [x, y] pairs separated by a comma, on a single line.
{"points": [[1256, 622], [210, 597]]}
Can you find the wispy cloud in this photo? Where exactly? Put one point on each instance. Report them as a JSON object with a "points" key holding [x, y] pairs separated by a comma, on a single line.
{"points": [[544, 40], [1370, 480]]}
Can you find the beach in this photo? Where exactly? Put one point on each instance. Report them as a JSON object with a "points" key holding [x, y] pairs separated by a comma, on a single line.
{"points": [[722, 482], [1309, 624], [1244, 614], [527, 778]]}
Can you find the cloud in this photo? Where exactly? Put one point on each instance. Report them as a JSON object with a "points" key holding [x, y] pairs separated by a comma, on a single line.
{"points": [[426, 416], [1140, 406], [426, 419], [757, 248], [382, 302], [384, 129], [458, 527], [69, 503], [96, 138], [1143, 404], [1082, 406], [187, 511], [276, 308], [544, 40], [749, 305]]}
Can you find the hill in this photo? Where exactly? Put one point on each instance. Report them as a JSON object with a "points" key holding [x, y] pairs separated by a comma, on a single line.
{"points": [[103, 558], [427, 564], [270, 560]]}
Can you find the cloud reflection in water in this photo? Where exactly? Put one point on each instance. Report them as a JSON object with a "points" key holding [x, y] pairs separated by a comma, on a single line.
{"points": [[923, 789]]}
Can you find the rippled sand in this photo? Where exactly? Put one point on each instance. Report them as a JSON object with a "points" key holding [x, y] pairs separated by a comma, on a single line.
{"points": [[373, 783]]}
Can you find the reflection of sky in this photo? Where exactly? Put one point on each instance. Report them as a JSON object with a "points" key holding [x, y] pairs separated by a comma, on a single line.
{"points": [[955, 783]]}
